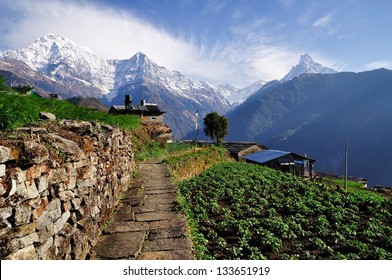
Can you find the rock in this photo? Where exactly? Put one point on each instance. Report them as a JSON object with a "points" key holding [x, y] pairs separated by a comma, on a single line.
{"points": [[24, 241], [45, 247], [42, 183], [58, 225], [7, 154], [2, 170], [19, 185], [95, 211], [5, 213], [34, 153], [45, 232], [52, 214], [37, 212], [22, 215], [66, 147], [120, 245], [27, 191], [76, 202], [5, 227], [27, 253], [66, 195], [47, 116]]}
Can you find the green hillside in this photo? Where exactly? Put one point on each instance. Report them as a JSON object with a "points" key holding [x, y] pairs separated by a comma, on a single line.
{"points": [[20, 110], [244, 211]]}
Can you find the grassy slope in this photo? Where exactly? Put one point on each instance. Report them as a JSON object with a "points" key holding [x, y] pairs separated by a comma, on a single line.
{"points": [[18, 111], [244, 211]]}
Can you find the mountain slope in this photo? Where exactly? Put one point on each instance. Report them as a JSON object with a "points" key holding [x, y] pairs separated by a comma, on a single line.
{"points": [[54, 64], [316, 113], [307, 65]]}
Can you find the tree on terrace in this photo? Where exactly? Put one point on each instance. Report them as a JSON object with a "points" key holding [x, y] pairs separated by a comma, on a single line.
{"points": [[215, 126]]}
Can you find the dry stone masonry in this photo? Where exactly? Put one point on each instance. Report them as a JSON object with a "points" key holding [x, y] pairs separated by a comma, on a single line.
{"points": [[58, 186]]}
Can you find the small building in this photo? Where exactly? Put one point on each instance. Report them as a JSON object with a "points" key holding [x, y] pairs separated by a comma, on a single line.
{"points": [[290, 162], [240, 149], [148, 112]]}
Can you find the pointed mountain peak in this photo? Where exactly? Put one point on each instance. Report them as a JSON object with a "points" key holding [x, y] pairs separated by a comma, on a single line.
{"points": [[305, 58], [307, 65], [51, 37], [140, 59]]}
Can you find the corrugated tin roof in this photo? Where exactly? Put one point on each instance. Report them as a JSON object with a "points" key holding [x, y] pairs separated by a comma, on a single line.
{"points": [[266, 155]]}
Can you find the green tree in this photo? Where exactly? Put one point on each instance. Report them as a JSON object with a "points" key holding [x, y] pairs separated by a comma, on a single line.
{"points": [[215, 126]]}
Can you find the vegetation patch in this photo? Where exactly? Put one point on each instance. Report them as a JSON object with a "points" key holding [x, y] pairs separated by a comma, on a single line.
{"points": [[244, 211], [22, 110], [185, 163]]}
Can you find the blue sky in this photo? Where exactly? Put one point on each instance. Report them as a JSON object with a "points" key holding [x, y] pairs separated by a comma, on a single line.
{"points": [[219, 41]]}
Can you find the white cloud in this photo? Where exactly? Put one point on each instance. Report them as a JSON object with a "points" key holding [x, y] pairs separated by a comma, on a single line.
{"points": [[323, 21]]}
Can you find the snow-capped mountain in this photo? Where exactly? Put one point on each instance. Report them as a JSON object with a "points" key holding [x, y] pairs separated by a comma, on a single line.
{"points": [[55, 64], [236, 96], [57, 57], [307, 65]]}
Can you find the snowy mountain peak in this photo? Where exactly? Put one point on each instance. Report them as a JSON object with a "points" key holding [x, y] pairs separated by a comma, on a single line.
{"points": [[307, 65], [305, 58]]}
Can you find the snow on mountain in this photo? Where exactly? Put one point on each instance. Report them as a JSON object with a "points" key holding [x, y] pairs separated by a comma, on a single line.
{"points": [[245, 92], [307, 65], [60, 58], [236, 96]]}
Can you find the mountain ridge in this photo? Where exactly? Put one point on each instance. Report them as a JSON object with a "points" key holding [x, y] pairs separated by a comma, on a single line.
{"points": [[315, 114], [55, 64]]}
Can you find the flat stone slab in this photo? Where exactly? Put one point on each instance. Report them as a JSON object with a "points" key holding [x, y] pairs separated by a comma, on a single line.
{"points": [[137, 200], [160, 191], [119, 246], [124, 217], [168, 245], [166, 255], [170, 195], [155, 216], [158, 201], [173, 223], [165, 207], [169, 232], [126, 227]]}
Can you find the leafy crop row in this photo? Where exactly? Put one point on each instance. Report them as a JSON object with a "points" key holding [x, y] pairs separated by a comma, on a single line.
{"points": [[244, 211]]}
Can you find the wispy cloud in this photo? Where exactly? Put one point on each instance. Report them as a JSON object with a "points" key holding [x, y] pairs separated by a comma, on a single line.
{"points": [[214, 6], [378, 64], [323, 21]]}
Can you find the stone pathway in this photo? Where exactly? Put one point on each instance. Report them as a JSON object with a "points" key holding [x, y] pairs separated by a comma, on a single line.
{"points": [[148, 224]]}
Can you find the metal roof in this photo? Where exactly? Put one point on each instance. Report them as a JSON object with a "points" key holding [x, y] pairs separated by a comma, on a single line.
{"points": [[266, 155]]}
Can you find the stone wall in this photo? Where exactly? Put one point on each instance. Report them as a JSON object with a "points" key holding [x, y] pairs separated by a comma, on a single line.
{"points": [[58, 185]]}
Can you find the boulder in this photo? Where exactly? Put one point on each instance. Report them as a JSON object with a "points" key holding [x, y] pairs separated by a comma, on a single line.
{"points": [[47, 116]]}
